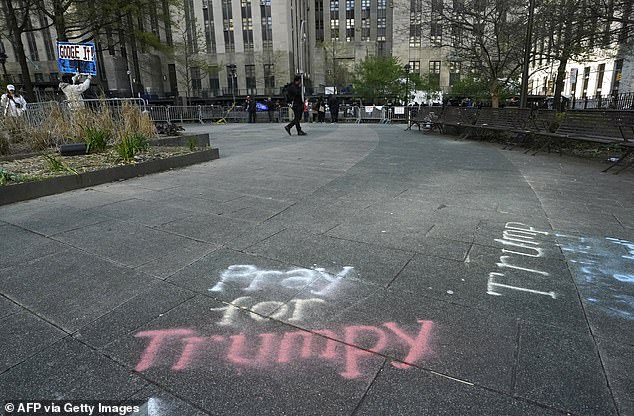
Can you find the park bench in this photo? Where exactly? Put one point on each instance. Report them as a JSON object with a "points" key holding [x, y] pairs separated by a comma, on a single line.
{"points": [[539, 121], [501, 120], [457, 117], [427, 118], [602, 127]]}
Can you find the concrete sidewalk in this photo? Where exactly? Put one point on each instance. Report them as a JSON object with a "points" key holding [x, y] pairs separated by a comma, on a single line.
{"points": [[358, 270]]}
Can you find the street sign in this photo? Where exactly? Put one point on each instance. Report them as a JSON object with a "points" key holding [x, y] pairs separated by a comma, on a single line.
{"points": [[77, 57]]}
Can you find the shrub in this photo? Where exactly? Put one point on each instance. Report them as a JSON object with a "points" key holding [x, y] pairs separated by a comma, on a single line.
{"points": [[130, 145], [57, 165], [96, 139]]}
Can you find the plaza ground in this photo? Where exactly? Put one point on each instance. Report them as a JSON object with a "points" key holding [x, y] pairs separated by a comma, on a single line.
{"points": [[358, 270]]}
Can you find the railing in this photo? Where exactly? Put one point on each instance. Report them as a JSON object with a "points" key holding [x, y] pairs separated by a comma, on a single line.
{"points": [[623, 101]]}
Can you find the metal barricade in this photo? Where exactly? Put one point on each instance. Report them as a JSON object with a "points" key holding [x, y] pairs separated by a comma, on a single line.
{"points": [[185, 113], [372, 114], [159, 113], [36, 113]]}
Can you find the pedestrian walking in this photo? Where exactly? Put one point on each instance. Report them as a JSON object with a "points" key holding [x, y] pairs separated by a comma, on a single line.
{"points": [[12, 104], [333, 103], [294, 94]]}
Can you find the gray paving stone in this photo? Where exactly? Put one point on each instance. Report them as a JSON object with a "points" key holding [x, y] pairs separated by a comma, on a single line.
{"points": [[138, 211], [213, 229], [244, 375], [618, 360], [69, 370], [562, 369], [160, 402], [417, 392], [20, 247], [179, 256], [126, 243], [150, 304], [370, 263], [85, 198], [461, 342], [47, 218], [228, 275], [468, 284], [23, 335], [72, 288], [7, 307]]}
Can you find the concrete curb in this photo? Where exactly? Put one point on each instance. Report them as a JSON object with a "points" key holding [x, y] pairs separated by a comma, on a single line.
{"points": [[30, 190]]}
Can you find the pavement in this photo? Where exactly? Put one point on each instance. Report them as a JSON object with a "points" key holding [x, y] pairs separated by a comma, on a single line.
{"points": [[359, 270]]}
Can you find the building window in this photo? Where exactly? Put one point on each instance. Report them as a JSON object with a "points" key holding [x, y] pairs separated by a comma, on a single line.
{"points": [[455, 68], [196, 81], [192, 30], [269, 77], [414, 67], [365, 29], [349, 30], [247, 24], [319, 20], [434, 73], [381, 21], [34, 53], [53, 77], [456, 35], [227, 26], [249, 71], [600, 76], [415, 23], [618, 71], [586, 81], [214, 84], [208, 17], [436, 33], [334, 29]]}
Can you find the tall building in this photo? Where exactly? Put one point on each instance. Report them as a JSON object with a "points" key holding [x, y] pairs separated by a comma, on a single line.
{"points": [[226, 48]]}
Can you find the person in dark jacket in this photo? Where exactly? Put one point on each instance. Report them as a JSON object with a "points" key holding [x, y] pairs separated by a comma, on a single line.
{"points": [[333, 103], [251, 107], [295, 96]]}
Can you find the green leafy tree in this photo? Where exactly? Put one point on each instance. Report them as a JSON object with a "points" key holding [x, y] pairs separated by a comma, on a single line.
{"points": [[379, 79]]}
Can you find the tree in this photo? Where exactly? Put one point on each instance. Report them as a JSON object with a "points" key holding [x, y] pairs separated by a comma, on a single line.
{"points": [[486, 35], [191, 63], [579, 30], [16, 22], [337, 74], [379, 79]]}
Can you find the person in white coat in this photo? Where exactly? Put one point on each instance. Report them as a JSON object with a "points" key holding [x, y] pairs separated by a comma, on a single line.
{"points": [[73, 91], [12, 104]]}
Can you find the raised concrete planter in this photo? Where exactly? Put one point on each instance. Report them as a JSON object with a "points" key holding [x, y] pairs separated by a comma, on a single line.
{"points": [[29, 190]]}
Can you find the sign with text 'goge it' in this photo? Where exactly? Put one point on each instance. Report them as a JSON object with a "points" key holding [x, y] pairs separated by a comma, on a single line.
{"points": [[77, 57]]}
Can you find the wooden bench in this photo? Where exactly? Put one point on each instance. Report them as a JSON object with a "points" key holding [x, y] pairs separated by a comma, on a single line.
{"points": [[427, 118], [603, 127], [457, 117], [501, 120], [539, 121]]}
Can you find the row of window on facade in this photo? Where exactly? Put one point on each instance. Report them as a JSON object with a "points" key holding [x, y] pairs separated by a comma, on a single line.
{"points": [[547, 85]]}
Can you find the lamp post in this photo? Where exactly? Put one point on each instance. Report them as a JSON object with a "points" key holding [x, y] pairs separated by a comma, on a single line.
{"points": [[302, 31], [527, 55], [3, 60], [232, 72], [407, 67]]}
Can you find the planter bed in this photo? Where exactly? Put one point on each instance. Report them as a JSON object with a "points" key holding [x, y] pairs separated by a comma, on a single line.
{"points": [[39, 180]]}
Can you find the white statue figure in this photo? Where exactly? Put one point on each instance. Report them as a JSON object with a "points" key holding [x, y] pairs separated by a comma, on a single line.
{"points": [[73, 91]]}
